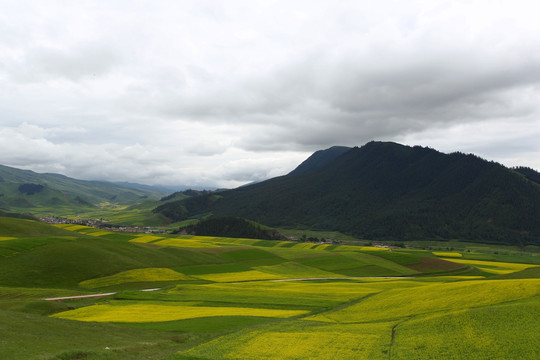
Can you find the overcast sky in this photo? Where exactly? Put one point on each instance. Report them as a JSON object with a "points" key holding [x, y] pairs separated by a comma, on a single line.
{"points": [[221, 93]]}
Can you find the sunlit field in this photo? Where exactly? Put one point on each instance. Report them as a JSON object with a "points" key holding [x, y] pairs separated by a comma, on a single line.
{"points": [[134, 276], [132, 312], [191, 297]]}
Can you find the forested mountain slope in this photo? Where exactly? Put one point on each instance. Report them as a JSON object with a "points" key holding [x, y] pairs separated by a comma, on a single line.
{"points": [[385, 190]]}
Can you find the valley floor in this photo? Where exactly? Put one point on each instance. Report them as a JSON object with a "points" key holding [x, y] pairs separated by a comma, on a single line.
{"points": [[227, 298]]}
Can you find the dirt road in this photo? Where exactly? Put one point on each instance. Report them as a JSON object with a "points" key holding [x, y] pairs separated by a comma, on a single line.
{"points": [[90, 295]]}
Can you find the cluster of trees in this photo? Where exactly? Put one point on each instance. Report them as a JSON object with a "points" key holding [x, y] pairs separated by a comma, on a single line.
{"points": [[30, 189], [184, 194], [183, 209], [314, 239], [529, 173], [229, 226]]}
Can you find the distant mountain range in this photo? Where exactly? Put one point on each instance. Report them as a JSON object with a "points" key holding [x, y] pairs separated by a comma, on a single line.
{"points": [[380, 191], [388, 191], [24, 189]]}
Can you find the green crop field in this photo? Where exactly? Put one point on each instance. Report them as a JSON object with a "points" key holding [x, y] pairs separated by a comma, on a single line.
{"points": [[134, 276], [192, 297]]}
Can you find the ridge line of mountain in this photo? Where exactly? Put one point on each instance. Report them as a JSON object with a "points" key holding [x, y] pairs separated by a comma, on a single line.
{"points": [[388, 191]]}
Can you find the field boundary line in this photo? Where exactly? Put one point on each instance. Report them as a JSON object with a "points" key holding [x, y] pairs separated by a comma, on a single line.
{"points": [[79, 297], [341, 278], [89, 296], [341, 306], [394, 329]]}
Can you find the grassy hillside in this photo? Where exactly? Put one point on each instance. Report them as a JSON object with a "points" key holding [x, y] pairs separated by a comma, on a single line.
{"points": [[27, 191], [209, 297], [21, 228]]}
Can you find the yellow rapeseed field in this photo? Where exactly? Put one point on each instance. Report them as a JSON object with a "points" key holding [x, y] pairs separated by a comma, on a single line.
{"points": [[199, 238], [140, 312], [400, 303], [280, 292], [235, 241], [494, 267], [72, 227], [189, 243], [295, 270], [300, 341], [146, 238], [135, 275], [505, 331], [447, 254], [239, 276], [100, 233], [360, 248], [305, 245], [373, 248], [322, 246]]}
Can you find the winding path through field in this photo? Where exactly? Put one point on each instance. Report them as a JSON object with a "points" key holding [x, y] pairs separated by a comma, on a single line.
{"points": [[89, 296], [236, 282], [343, 278]]}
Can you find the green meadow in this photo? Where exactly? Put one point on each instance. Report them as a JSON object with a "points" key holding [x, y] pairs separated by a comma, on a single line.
{"points": [[192, 297]]}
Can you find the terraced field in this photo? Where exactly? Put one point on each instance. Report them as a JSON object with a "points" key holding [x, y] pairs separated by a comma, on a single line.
{"points": [[227, 298]]}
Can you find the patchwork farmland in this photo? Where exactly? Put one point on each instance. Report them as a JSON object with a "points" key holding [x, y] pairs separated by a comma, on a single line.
{"points": [[231, 298]]}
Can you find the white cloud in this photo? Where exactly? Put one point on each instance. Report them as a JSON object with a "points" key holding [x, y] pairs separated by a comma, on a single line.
{"points": [[85, 60], [225, 92]]}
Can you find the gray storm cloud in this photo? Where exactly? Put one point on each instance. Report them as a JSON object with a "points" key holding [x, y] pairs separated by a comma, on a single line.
{"points": [[222, 93]]}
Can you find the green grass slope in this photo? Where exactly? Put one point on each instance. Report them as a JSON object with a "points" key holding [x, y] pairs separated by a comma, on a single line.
{"points": [[14, 227], [26, 336], [236, 298], [66, 262]]}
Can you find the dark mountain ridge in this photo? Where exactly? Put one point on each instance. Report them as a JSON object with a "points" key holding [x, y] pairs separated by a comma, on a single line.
{"points": [[319, 159], [529, 173], [388, 191]]}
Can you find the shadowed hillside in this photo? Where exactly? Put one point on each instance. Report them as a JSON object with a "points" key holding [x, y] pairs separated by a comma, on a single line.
{"points": [[22, 190], [319, 159], [229, 226], [389, 191]]}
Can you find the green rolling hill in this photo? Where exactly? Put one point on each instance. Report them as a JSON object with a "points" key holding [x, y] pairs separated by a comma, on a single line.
{"points": [[180, 297], [26, 191]]}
